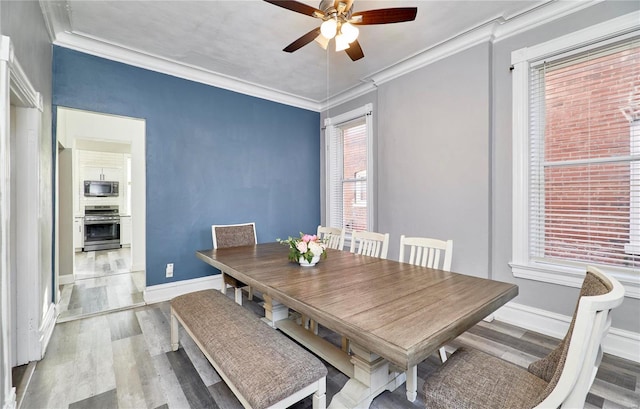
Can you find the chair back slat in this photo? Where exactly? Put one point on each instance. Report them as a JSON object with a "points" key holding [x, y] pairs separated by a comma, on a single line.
{"points": [[370, 243], [332, 236], [427, 252]]}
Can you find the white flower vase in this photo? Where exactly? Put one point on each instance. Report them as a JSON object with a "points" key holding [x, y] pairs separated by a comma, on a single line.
{"points": [[304, 263]]}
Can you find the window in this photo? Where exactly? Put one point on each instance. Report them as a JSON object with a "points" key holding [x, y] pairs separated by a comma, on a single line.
{"points": [[576, 180], [349, 162]]}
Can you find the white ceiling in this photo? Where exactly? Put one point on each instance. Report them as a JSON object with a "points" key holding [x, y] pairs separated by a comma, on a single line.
{"points": [[241, 41]]}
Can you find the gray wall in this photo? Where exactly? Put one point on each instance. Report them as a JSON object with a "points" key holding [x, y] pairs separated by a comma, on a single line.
{"points": [[444, 159]]}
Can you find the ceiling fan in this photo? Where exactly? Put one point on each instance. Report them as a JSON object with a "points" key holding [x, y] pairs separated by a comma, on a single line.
{"points": [[339, 21]]}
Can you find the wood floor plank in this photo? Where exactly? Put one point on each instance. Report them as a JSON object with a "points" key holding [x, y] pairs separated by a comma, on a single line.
{"points": [[170, 385], [105, 400], [202, 366], [82, 362], [147, 373], [123, 324], [128, 382], [194, 388]]}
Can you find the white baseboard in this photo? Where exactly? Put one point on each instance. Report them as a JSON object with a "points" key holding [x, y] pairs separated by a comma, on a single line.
{"points": [[10, 402], [618, 342], [165, 292], [46, 329], [65, 279]]}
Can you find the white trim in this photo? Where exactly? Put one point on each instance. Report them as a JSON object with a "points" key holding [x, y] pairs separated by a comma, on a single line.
{"points": [[163, 65], [46, 329], [165, 292], [522, 265], [573, 276], [618, 342], [11, 401], [14, 82], [20, 86], [331, 125], [495, 29], [28, 241], [348, 116], [610, 28], [67, 279], [7, 392]]}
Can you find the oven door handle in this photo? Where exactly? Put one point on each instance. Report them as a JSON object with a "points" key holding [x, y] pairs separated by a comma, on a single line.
{"points": [[90, 222]]}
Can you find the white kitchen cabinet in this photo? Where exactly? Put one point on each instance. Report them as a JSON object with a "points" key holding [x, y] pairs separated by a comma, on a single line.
{"points": [[125, 230], [78, 233], [102, 173]]}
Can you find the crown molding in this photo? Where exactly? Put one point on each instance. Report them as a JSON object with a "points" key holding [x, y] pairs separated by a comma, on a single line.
{"points": [[348, 95], [56, 17], [57, 22], [491, 31], [163, 65]]}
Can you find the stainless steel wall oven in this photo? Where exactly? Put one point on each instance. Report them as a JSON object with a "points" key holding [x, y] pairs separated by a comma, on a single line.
{"points": [[101, 228]]}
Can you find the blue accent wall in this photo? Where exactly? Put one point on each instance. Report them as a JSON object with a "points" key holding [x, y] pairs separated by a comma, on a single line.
{"points": [[212, 157]]}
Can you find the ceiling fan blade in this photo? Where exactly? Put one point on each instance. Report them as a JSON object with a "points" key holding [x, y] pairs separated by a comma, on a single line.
{"points": [[302, 41], [298, 7], [354, 51], [384, 16]]}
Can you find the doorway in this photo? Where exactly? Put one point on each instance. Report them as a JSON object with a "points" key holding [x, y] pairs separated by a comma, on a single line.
{"points": [[100, 150]]}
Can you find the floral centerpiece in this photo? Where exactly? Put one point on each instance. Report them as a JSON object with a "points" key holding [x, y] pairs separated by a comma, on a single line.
{"points": [[306, 249]]}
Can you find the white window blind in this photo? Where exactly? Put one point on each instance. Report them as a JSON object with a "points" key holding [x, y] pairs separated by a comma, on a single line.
{"points": [[584, 185], [334, 176]]}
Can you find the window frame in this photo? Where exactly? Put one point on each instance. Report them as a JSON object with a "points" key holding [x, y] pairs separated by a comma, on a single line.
{"points": [[332, 126], [522, 265]]}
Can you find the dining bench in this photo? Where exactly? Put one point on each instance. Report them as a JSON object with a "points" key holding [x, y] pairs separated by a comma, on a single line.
{"points": [[261, 366]]}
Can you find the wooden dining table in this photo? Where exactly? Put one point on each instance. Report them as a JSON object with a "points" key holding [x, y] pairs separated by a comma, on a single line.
{"points": [[394, 314]]}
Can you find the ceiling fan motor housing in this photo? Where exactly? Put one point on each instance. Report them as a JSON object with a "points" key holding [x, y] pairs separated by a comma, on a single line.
{"points": [[332, 8]]}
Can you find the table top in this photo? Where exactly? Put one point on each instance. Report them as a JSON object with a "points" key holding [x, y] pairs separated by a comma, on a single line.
{"points": [[397, 310]]}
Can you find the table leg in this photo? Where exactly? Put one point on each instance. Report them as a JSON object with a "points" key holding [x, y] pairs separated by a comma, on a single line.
{"points": [[174, 332], [371, 378], [274, 311], [412, 383]]}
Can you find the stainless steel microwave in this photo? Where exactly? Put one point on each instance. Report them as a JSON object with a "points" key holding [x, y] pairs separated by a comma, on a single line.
{"points": [[100, 188]]}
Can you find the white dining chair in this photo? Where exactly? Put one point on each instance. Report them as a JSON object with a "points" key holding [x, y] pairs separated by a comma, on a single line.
{"points": [[428, 252], [370, 243], [332, 236], [472, 378], [234, 235]]}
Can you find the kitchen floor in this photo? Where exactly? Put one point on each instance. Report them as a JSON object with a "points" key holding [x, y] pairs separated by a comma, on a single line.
{"points": [[104, 282]]}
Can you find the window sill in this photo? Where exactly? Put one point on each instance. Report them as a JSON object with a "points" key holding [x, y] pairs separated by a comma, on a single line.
{"points": [[572, 277]]}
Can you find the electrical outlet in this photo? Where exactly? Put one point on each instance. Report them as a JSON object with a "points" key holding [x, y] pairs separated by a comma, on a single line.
{"points": [[169, 270]]}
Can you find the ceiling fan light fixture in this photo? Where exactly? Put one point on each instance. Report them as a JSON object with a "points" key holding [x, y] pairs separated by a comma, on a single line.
{"points": [[329, 28], [341, 42], [350, 32]]}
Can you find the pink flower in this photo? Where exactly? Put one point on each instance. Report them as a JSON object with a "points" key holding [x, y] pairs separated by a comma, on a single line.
{"points": [[307, 238], [301, 246]]}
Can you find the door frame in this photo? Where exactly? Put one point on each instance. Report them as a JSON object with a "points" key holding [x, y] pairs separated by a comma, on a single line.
{"points": [[36, 328]]}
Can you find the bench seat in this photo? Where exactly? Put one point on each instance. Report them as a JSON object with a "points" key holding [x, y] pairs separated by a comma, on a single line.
{"points": [[262, 367]]}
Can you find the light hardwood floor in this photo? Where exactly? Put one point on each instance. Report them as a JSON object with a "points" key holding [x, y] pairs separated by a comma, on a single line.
{"points": [[124, 360]]}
